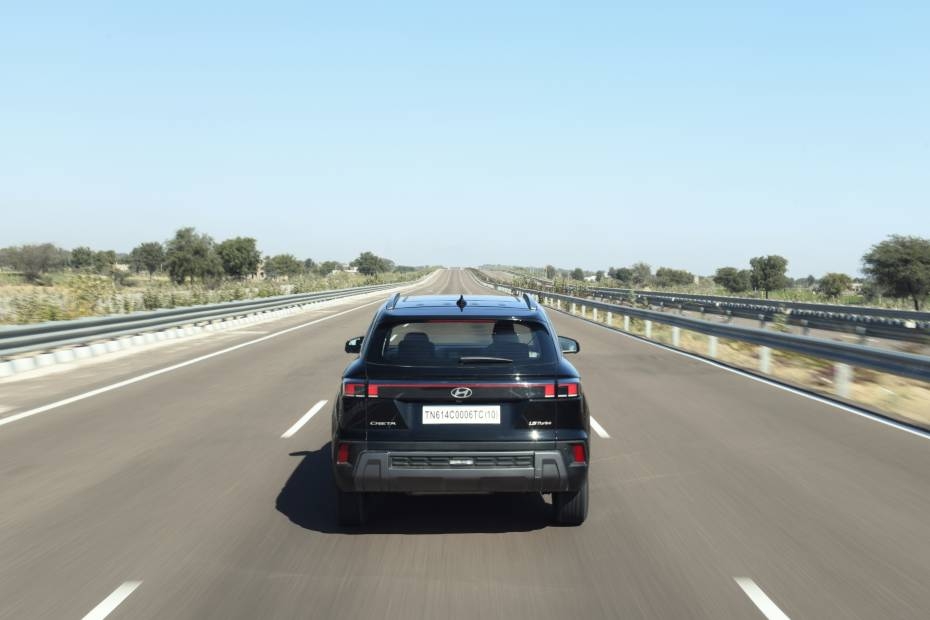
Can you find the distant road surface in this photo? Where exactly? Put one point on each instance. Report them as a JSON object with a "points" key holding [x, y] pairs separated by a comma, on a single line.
{"points": [[713, 496]]}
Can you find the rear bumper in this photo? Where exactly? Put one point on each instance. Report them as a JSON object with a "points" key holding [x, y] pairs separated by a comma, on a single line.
{"points": [[385, 470]]}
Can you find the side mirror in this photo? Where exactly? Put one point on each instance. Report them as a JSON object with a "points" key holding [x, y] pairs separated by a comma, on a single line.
{"points": [[569, 345], [354, 345]]}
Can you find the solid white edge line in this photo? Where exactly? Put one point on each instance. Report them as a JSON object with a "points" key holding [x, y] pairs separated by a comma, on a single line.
{"points": [[107, 605], [598, 428], [115, 386], [303, 420], [768, 608], [826, 401]]}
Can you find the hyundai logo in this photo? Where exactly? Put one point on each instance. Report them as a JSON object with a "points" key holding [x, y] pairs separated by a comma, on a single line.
{"points": [[461, 392]]}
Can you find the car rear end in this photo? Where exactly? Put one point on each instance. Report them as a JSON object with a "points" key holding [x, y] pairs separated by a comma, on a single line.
{"points": [[461, 405]]}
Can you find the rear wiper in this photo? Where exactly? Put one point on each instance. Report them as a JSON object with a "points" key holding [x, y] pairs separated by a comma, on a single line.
{"points": [[481, 359]]}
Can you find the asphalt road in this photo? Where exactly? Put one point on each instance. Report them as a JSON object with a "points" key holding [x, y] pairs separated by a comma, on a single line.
{"points": [[178, 495]]}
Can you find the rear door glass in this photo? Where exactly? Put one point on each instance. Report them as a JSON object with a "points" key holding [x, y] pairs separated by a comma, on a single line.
{"points": [[453, 342]]}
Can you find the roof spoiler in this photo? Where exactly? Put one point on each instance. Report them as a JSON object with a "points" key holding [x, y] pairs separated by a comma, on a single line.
{"points": [[393, 303], [529, 302]]}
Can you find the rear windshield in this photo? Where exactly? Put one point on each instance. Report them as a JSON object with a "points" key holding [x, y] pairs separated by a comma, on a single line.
{"points": [[459, 342]]}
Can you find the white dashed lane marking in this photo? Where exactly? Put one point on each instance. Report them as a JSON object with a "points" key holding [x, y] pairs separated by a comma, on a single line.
{"points": [[599, 429], [303, 420], [107, 605], [768, 608]]}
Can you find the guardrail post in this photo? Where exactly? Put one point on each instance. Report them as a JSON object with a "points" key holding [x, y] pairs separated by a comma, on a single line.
{"points": [[610, 319], [842, 379], [648, 329], [676, 336], [805, 328], [862, 337], [765, 360], [594, 313], [702, 313], [626, 322], [583, 309], [729, 318], [761, 321], [573, 307], [681, 309], [712, 347]]}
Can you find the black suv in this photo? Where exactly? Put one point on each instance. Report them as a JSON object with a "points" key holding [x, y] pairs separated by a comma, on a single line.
{"points": [[461, 395]]}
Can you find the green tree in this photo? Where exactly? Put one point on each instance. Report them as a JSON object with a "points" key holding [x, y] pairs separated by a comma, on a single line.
{"points": [[309, 264], [190, 255], [550, 271], [834, 284], [623, 275], [577, 274], [283, 265], [148, 256], [369, 264], [768, 273], [327, 267], [598, 276], [733, 279], [641, 274], [673, 277], [104, 261], [7, 257], [901, 266], [239, 256], [82, 258], [35, 260]]}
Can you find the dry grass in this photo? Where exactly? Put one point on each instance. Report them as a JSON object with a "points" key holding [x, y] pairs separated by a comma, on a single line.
{"points": [[75, 295]]}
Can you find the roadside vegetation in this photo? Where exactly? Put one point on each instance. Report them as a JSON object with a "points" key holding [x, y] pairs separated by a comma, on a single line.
{"points": [[898, 397], [43, 282], [896, 274]]}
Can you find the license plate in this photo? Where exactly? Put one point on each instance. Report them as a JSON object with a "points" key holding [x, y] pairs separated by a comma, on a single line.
{"points": [[461, 414]]}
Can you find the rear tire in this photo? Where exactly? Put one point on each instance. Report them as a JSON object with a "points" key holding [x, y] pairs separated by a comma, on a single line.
{"points": [[352, 508], [571, 507]]}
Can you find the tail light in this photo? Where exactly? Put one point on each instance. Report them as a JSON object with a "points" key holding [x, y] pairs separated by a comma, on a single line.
{"points": [[578, 453], [353, 389], [359, 389], [568, 389], [342, 454]]}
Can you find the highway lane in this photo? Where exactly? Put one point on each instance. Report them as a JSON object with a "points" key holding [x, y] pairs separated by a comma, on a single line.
{"points": [[184, 483]]}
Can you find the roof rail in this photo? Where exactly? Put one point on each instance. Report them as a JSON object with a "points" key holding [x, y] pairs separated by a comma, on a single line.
{"points": [[393, 303], [529, 302]]}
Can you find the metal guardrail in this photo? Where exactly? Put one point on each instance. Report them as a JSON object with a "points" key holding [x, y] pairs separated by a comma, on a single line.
{"points": [[865, 321], [41, 337], [861, 320], [882, 360], [876, 322], [776, 305]]}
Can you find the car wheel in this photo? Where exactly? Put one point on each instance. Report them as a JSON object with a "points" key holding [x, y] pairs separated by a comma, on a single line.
{"points": [[352, 508], [571, 507]]}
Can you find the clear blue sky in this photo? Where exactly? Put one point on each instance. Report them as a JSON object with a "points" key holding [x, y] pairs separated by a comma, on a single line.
{"points": [[577, 134]]}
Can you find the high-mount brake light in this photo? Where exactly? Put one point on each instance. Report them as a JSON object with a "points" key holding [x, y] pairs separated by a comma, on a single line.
{"points": [[353, 389], [342, 454], [578, 453]]}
